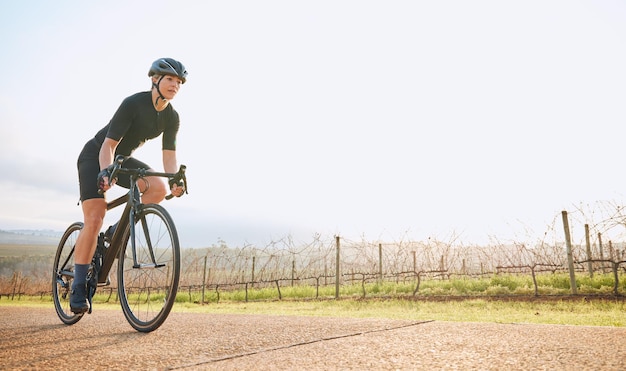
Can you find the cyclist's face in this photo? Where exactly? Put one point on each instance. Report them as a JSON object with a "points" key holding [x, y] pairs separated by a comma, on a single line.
{"points": [[169, 86]]}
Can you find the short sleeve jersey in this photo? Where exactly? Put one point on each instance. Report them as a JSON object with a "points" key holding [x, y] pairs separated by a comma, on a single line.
{"points": [[136, 121]]}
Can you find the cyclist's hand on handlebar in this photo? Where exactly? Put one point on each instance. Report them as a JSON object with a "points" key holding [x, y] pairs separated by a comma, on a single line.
{"points": [[178, 183], [108, 177], [104, 181], [177, 188]]}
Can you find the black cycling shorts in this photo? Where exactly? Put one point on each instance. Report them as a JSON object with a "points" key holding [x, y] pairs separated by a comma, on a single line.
{"points": [[88, 170]]}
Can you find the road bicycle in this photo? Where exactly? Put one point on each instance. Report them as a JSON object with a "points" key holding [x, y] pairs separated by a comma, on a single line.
{"points": [[145, 244]]}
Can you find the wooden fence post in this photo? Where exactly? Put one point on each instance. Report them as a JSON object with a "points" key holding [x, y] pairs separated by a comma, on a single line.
{"points": [[570, 258], [14, 282], [380, 262], [293, 272], [204, 279], [442, 264], [601, 250], [615, 266], [589, 262], [337, 268], [253, 266]]}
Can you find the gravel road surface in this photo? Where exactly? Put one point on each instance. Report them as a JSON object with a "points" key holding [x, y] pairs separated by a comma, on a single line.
{"points": [[34, 338]]}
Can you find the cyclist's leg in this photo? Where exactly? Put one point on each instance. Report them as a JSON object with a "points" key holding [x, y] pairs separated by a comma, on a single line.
{"points": [[94, 209], [153, 188], [93, 213]]}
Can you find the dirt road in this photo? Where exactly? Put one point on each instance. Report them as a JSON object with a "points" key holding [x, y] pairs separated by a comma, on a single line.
{"points": [[36, 339]]}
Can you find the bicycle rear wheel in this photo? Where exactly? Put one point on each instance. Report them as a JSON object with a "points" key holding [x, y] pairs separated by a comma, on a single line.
{"points": [[63, 274], [147, 286]]}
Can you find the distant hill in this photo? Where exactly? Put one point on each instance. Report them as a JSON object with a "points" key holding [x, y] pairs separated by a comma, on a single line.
{"points": [[30, 237]]}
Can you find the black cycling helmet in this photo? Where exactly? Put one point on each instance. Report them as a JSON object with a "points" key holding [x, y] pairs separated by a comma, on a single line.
{"points": [[168, 66]]}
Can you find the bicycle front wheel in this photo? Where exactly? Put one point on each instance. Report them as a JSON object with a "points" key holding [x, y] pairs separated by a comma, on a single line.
{"points": [[63, 274], [148, 279]]}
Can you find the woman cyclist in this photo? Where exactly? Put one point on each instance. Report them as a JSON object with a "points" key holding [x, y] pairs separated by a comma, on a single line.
{"points": [[140, 117]]}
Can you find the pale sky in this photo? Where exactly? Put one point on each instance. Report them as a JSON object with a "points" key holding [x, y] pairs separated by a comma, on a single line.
{"points": [[382, 120]]}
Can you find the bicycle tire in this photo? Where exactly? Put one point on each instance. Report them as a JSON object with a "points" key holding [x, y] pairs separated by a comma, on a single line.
{"points": [[148, 292], [63, 274]]}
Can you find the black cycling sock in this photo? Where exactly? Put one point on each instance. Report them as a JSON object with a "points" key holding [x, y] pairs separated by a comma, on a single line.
{"points": [[80, 274]]}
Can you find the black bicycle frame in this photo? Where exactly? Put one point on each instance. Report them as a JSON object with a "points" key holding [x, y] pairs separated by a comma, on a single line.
{"points": [[133, 206]]}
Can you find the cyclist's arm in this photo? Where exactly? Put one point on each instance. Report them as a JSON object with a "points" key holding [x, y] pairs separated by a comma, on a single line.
{"points": [[107, 152], [170, 165]]}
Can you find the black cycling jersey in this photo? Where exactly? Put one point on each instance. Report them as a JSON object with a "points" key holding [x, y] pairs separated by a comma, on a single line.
{"points": [[134, 122]]}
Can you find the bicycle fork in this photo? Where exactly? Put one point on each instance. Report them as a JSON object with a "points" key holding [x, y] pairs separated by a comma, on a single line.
{"points": [[146, 233]]}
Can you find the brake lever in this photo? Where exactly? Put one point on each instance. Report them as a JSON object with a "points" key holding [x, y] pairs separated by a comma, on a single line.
{"points": [[115, 166], [113, 169]]}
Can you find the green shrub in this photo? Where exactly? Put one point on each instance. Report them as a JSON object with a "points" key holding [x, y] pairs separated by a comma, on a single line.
{"points": [[498, 290], [556, 280], [501, 284], [509, 281]]}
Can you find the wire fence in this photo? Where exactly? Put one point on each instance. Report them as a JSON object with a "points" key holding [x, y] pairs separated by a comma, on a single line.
{"points": [[335, 261]]}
